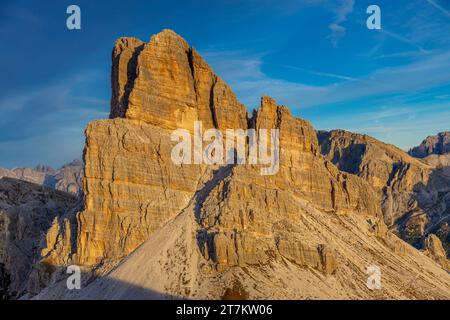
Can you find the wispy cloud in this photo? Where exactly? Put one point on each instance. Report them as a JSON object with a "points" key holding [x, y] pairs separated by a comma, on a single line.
{"points": [[50, 108], [419, 29], [439, 7], [341, 11], [403, 39], [426, 72], [407, 130], [320, 73], [403, 54], [46, 124], [395, 104]]}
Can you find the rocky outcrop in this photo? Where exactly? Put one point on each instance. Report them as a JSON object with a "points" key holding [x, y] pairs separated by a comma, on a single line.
{"points": [[415, 194], [167, 84], [438, 144], [169, 265], [318, 257], [68, 178], [197, 230], [434, 249], [131, 186], [27, 211], [390, 170], [248, 225], [123, 73], [439, 161], [36, 175]]}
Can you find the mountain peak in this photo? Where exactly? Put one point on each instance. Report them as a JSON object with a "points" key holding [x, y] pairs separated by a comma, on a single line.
{"points": [[169, 37], [199, 230], [437, 144], [167, 84]]}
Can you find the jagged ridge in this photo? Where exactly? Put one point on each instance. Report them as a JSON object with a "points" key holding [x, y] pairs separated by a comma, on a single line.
{"points": [[242, 224]]}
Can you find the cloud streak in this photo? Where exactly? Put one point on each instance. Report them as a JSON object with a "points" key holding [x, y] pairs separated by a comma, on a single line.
{"points": [[320, 73], [45, 125], [49, 109], [439, 7], [403, 39], [428, 71], [344, 8]]}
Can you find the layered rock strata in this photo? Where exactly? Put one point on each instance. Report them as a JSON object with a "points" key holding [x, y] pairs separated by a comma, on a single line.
{"points": [[415, 194], [68, 178], [208, 231], [438, 144], [27, 211]]}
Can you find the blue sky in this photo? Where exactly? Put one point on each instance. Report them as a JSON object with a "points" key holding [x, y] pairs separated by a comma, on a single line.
{"points": [[315, 56]]}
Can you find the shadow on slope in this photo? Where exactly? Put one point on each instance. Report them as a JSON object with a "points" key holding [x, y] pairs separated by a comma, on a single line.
{"points": [[27, 211], [348, 159], [432, 213], [101, 288]]}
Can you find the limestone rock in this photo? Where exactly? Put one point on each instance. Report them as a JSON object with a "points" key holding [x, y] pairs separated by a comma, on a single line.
{"points": [[27, 174], [155, 229], [241, 212], [131, 186], [387, 168], [415, 194], [26, 213], [123, 73], [440, 162], [68, 178], [167, 84], [303, 169], [318, 257], [434, 249], [438, 144], [128, 159], [443, 233], [169, 265]]}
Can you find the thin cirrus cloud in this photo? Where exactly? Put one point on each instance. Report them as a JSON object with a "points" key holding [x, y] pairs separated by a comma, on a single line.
{"points": [[341, 11], [406, 129], [403, 39], [320, 73], [45, 125], [49, 108], [417, 31], [392, 103], [245, 75], [439, 7]]}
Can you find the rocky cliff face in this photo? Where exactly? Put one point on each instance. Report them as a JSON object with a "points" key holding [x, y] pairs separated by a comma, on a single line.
{"points": [[438, 144], [249, 225], [27, 211], [132, 187], [212, 231], [415, 194], [68, 178], [166, 83], [434, 248], [317, 256], [394, 173]]}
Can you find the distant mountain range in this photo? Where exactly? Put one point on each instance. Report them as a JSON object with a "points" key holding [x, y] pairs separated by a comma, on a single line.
{"points": [[340, 206], [438, 145], [415, 192], [68, 178]]}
